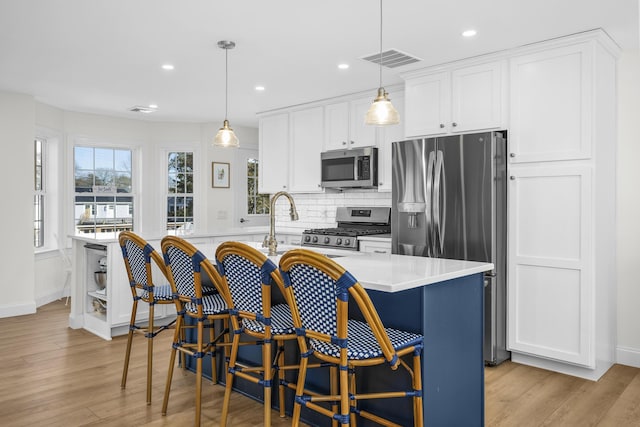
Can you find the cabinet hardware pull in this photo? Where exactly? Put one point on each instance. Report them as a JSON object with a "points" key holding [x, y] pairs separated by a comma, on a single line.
{"points": [[344, 142], [352, 142], [512, 178], [454, 124], [441, 125], [512, 154]]}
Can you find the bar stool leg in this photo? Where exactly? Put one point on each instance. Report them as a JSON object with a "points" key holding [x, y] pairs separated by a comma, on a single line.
{"points": [[150, 351], [179, 332], [132, 323]]}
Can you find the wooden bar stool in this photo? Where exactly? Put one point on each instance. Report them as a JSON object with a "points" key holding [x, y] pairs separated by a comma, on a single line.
{"points": [[249, 276], [186, 266], [138, 256], [319, 290]]}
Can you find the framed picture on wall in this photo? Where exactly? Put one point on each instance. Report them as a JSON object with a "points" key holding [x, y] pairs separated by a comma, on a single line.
{"points": [[220, 175]]}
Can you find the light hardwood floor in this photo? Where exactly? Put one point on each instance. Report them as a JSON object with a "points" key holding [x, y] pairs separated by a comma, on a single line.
{"points": [[51, 375]]}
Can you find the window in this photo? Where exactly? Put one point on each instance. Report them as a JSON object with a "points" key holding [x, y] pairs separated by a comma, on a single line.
{"points": [[103, 190], [180, 191], [39, 195], [256, 203]]}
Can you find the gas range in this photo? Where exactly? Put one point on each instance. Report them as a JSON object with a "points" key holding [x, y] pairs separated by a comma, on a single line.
{"points": [[352, 222]]}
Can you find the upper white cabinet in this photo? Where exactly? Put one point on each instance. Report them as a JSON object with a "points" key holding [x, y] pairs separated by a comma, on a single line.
{"points": [[455, 100], [387, 135], [551, 100], [306, 144], [561, 216], [273, 172], [345, 127], [290, 146]]}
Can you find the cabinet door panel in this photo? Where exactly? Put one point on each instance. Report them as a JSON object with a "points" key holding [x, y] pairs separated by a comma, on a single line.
{"points": [[274, 153], [427, 105], [306, 145], [550, 286], [361, 134], [389, 135], [551, 105], [336, 131], [477, 97]]}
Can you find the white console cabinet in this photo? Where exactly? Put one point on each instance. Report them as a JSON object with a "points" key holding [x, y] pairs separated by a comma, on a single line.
{"points": [[561, 216]]}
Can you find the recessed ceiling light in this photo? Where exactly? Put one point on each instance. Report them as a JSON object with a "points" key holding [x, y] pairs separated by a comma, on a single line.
{"points": [[153, 105], [343, 66], [469, 33], [259, 88], [167, 67]]}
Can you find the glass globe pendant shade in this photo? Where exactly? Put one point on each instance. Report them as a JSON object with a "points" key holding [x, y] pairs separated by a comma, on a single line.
{"points": [[382, 112], [226, 137]]}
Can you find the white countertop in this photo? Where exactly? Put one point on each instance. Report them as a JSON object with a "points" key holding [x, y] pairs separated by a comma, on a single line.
{"points": [[392, 273]]}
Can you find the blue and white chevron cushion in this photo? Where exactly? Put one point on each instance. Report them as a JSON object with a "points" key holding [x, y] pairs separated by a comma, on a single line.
{"points": [[212, 304], [160, 293], [362, 344], [281, 321]]}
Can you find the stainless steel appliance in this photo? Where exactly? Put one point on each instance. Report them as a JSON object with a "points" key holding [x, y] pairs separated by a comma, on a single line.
{"points": [[356, 167], [352, 222], [449, 201]]}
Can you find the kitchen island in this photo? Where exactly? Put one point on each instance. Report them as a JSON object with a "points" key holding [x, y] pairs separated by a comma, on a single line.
{"points": [[441, 299]]}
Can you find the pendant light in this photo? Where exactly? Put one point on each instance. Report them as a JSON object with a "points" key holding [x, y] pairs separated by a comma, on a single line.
{"points": [[225, 136], [382, 111]]}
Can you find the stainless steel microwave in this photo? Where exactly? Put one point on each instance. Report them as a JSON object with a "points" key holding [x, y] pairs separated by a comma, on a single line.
{"points": [[353, 168]]}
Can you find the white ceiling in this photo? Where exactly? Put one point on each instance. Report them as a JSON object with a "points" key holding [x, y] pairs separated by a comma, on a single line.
{"points": [[104, 56]]}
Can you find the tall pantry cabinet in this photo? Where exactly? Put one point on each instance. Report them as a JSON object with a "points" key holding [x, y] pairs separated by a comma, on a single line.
{"points": [[561, 196]]}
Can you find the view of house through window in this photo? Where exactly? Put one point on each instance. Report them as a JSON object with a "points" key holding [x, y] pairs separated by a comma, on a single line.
{"points": [[256, 203], [39, 195], [103, 190], [180, 191]]}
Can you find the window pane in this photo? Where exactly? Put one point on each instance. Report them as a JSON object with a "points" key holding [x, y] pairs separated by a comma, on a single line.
{"points": [[104, 158], [104, 211], [180, 200], [123, 161], [83, 158]]}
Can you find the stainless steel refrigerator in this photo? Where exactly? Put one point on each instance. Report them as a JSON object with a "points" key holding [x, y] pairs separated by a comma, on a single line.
{"points": [[449, 200]]}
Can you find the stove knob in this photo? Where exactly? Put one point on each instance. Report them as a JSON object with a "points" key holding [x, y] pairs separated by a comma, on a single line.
{"points": [[307, 238], [315, 239], [347, 242], [327, 240], [338, 241]]}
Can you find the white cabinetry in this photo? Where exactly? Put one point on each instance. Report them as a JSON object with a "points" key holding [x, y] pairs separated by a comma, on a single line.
{"points": [[306, 144], [345, 127], [387, 135], [273, 172], [376, 246], [455, 100], [561, 217], [290, 146]]}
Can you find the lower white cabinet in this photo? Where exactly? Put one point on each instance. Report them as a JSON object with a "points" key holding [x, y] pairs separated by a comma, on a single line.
{"points": [[551, 295], [374, 246]]}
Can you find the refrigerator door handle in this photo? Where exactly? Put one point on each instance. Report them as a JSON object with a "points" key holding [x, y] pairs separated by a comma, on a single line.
{"points": [[429, 199], [440, 211]]}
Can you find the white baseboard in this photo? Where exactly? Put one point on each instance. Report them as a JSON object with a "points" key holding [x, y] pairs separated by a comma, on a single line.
{"points": [[50, 297], [628, 356], [18, 309], [563, 368]]}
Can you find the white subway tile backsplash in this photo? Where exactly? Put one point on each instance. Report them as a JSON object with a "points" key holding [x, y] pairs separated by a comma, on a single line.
{"points": [[318, 210]]}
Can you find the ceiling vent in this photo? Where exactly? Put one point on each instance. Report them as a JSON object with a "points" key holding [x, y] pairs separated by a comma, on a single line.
{"points": [[392, 58], [141, 109]]}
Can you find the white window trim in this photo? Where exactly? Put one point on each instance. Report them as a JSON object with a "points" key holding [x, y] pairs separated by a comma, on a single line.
{"points": [[198, 198]]}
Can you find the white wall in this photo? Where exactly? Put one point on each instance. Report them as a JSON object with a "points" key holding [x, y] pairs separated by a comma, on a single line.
{"points": [[628, 209], [16, 211]]}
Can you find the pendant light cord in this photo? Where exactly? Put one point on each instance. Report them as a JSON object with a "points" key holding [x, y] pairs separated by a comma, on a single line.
{"points": [[380, 63], [226, 80]]}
